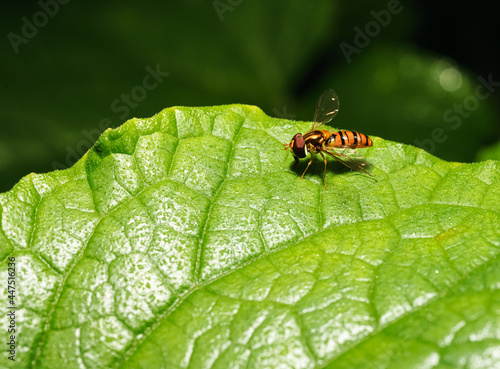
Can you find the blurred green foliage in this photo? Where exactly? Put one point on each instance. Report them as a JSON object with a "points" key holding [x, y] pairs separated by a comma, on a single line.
{"points": [[70, 79], [489, 153]]}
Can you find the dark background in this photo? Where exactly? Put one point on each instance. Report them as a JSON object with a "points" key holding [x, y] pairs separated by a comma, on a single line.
{"points": [[67, 82]]}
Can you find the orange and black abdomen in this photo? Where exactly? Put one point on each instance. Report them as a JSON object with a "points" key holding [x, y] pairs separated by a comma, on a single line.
{"points": [[350, 139]]}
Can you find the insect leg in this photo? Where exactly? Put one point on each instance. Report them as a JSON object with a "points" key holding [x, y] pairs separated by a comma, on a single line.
{"points": [[349, 162], [310, 161]]}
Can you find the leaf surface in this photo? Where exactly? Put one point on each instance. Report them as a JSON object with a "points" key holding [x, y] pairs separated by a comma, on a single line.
{"points": [[187, 240]]}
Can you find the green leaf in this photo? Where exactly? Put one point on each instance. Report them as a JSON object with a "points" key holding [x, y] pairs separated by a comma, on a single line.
{"points": [[188, 240]]}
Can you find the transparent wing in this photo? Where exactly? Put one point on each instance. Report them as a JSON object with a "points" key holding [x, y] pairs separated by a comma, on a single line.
{"points": [[327, 108], [357, 164]]}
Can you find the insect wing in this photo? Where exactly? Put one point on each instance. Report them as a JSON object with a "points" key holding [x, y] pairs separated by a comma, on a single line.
{"points": [[327, 108], [358, 164]]}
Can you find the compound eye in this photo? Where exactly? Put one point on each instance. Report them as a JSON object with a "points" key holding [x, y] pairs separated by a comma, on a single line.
{"points": [[299, 146]]}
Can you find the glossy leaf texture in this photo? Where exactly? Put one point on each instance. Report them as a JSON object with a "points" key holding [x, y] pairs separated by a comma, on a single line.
{"points": [[188, 240]]}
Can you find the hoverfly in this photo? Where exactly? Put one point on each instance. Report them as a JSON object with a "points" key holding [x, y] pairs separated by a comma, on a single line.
{"points": [[325, 142]]}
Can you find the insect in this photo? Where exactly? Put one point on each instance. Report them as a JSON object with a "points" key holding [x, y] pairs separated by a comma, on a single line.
{"points": [[326, 142]]}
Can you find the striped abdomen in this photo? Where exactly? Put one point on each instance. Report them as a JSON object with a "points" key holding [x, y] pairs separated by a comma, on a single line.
{"points": [[350, 139]]}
